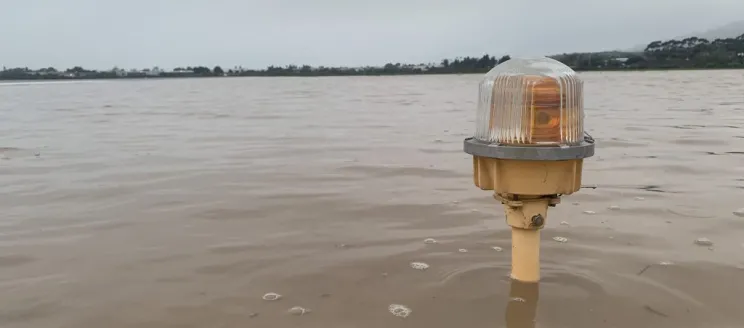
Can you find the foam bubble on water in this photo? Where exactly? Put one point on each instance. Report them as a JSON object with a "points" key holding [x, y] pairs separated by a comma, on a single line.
{"points": [[614, 207], [517, 299], [298, 310], [665, 263], [455, 202], [496, 248], [430, 241], [590, 212], [564, 223], [702, 241], [399, 310], [560, 239], [739, 212], [639, 198], [271, 297], [462, 250], [419, 265]]}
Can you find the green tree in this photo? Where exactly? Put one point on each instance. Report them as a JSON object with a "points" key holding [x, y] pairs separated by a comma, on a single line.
{"points": [[76, 69], [218, 71], [201, 70]]}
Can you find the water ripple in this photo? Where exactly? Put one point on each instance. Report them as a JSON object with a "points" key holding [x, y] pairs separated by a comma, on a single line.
{"points": [[194, 197]]}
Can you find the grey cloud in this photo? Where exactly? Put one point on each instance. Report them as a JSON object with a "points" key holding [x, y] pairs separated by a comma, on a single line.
{"points": [[138, 33]]}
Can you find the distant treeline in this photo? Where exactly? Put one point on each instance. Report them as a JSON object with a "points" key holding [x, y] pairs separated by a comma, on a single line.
{"points": [[689, 53], [447, 66]]}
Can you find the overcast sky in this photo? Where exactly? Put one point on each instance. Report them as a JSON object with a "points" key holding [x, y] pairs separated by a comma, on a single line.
{"points": [[256, 33]]}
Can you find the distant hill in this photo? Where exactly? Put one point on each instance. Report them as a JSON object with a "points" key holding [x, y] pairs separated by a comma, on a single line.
{"points": [[730, 30]]}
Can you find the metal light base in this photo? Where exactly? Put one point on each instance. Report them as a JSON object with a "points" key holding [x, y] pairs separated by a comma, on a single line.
{"points": [[528, 170], [529, 153]]}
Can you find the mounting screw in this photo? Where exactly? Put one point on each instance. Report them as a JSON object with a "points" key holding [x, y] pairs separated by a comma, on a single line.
{"points": [[538, 220]]}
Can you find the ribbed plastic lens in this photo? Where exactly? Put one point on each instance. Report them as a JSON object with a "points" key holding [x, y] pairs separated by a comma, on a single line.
{"points": [[531, 101]]}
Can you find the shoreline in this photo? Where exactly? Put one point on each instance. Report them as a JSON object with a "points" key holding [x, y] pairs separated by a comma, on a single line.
{"points": [[340, 75], [688, 54]]}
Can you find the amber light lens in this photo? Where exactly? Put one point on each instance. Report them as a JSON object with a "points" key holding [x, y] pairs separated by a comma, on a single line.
{"points": [[531, 102], [545, 111]]}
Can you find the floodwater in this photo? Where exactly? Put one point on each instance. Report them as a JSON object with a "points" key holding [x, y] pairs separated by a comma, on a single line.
{"points": [[180, 203]]}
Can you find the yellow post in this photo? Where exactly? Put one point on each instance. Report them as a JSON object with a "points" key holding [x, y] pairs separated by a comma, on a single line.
{"points": [[527, 189], [526, 215], [525, 255]]}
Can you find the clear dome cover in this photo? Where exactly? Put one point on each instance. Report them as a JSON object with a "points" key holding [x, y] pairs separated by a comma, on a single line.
{"points": [[531, 101]]}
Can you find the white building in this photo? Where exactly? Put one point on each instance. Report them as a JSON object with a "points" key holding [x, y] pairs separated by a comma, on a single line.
{"points": [[421, 67], [155, 71], [182, 71], [119, 72]]}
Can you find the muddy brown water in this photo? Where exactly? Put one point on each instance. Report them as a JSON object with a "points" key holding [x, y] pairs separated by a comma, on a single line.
{"points": [[180, 203]]}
